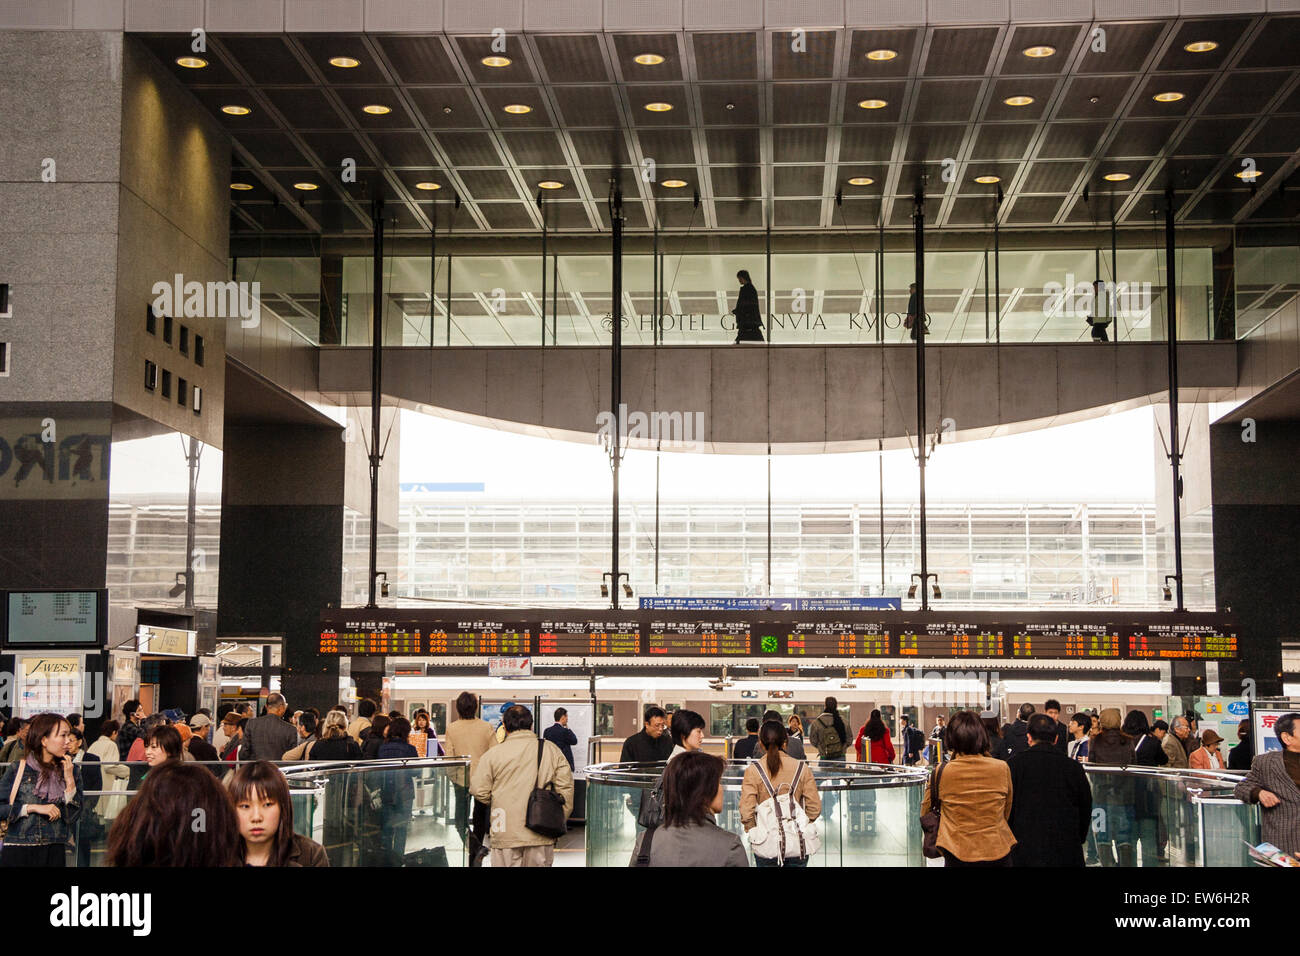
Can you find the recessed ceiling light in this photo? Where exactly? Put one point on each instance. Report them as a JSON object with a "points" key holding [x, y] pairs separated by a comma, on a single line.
{"points": [[1018, 100], [191, 62], [241, 186], [1201, 46], [1167, 97], [659, 107], [496, 61], [344, 62], [1249, 174], [673, 183], [236, 110], [1116, 177], [649, 59], [428, 187], [550, 184], [1037, 52], [305, 187], [986, 180], [872, 104], [518, 108], [861, 181], [376, 109], [882, 54]]}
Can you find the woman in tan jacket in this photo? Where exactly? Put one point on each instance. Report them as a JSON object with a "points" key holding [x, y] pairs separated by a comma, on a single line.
{"points": [[780, 767], [974, 798]]}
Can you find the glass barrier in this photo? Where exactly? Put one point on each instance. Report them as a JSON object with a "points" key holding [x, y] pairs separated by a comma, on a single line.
{"points": [[365, 813], [870, 813], [1148, 817], [831, 298]]}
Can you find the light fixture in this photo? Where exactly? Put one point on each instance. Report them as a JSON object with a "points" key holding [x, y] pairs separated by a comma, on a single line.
{"points": [[305, 187], [872, 104], [1018, 100], [178, 588], [344, 62], [1248, 174], [517, 108], [659, 107], [1116, 177], [496, 61], [241, 186], [1168, 97], [882, 55], [1201, 46], [988, 180], [383, 586], [938, 595], [627, 589], [861, 181], [550, 184], [1038, 52], [673, 183], [648, 59], [428, 187], [376, 109], [604, 589], [1168, 593], [191, 62], [911, 592], [236, 110]]}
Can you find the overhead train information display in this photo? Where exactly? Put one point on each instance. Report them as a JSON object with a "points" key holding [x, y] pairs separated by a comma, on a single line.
{"points": [[677, 636]]}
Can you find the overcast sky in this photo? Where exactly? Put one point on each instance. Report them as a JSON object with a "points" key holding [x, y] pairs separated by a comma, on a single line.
{"points": [[1105, 459]]}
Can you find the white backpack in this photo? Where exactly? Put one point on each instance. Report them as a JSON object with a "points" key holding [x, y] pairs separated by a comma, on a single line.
{"points": [[781, 828]]}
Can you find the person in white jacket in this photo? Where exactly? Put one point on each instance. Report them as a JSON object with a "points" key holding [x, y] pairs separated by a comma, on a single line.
{"points": [[114, 773]]}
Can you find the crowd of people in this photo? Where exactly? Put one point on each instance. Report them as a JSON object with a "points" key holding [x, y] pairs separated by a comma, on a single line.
{"points": [[1011, 795]]}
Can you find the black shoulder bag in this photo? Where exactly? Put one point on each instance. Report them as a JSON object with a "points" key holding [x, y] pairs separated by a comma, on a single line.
{"points": [[545, 815], [930, 820]]}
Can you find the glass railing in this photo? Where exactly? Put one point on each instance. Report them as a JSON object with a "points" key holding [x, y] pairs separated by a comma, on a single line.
{"points": [[1144, 817], [365, 813], [869, 812]]}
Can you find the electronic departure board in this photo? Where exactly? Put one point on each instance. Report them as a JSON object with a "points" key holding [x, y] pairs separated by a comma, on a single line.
{"points": [[611, 637], [770, 635], [1203, 642], [950, 639], [696, 638], [1060, 639], [828, 639]]}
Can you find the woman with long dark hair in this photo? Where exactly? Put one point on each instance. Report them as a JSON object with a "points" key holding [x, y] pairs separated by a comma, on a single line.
{"points": [[374, 738], [261, 798], [688, 836], [42, 797], [785, 774], [749, 320], [975, 798], [876, 734], [158, 827]]}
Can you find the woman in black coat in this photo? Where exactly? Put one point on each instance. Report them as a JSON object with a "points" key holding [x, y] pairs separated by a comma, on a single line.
{"points": [[749, 321]]}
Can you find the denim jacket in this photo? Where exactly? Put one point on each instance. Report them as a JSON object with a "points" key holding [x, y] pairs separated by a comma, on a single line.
{"points": [[36, 829]]}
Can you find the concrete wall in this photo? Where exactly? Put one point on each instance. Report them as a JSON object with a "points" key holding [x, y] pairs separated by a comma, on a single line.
{"points": [[1269, 352], [174, 218], [804, 399], [60, 96], [460, 16]]}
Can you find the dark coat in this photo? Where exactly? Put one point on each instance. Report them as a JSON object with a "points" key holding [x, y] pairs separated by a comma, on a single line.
{"points": [[749, 320], [267, 738], [564, 738], [998, 747], [1051, 808], [642, 748], [1016, 737], [1063, 738], [1240, 756], [744, 748]]}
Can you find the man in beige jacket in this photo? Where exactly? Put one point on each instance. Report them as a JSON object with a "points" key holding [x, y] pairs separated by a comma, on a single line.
{"points": [[505, 778], [469, 736]]}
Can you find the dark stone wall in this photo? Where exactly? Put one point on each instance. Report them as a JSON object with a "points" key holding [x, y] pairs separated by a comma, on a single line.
{"points": [[282, 547], [1256, 529]]}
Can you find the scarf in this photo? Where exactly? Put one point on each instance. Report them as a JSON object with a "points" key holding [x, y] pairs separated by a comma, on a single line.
{"points": [[49, 783]]}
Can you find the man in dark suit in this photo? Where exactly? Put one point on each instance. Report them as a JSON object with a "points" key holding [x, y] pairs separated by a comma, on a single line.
{"points": [[1051, 802], [913, 741], [744, 748], [1052, 708], [1016, 733]]}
